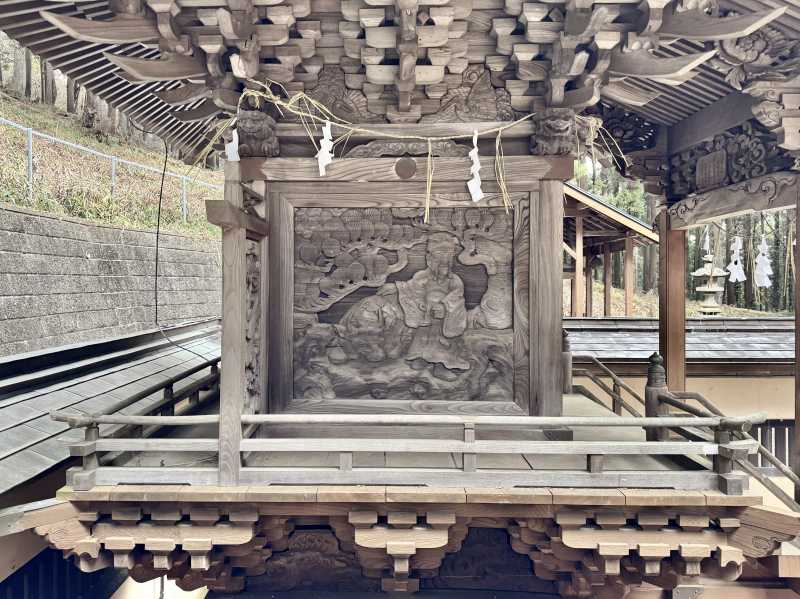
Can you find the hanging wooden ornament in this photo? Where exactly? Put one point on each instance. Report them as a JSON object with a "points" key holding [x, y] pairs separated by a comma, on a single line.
{"points": [[474, 184], [736, 268], [763, 265], [324, 156]]}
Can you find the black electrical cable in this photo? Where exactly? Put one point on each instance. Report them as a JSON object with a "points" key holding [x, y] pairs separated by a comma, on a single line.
{"points": [[158, 237]]}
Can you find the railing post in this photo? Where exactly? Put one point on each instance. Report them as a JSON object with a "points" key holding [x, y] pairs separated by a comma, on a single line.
{"points": [[184, 203], [30, 164], [169, 406], [566, 361], [616, 399], [656, 383], [113, 175], [82, 479], [469, 460]]}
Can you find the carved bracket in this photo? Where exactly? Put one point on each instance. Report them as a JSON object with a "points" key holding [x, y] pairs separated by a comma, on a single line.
{"points": [[405, 544]]}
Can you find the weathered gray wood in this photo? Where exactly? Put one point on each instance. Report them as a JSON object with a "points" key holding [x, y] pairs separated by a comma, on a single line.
{"points": [[396, 200], [730, 423], [448, 446], [770, 192], [661, 479], [727, 112], [155, 444], [545, 299], [522, 339], [520, 171], [224, 215], [281, 303], [234, 327], [289, 131], [394, 406]]}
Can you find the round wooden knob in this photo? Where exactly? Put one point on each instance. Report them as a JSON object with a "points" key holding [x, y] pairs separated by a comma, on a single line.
{"points": [[405, 168]]}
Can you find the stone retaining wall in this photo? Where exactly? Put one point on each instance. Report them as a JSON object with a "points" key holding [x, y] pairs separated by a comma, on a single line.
{"points": [[66, 281]]}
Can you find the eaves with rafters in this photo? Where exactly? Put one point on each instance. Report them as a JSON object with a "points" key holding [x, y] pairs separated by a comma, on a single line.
{"points": [[178, 66]]}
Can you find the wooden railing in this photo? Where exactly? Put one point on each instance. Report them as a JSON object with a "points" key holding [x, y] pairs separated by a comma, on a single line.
{"points": [[669, 401], [173, 403], [464, 441]]}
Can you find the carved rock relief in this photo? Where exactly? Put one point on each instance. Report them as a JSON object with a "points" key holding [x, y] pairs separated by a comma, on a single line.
{"points": [[389, 307]]}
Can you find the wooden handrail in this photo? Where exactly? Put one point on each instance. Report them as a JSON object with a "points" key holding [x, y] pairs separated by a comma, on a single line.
{"points": [[129, 401], [613, 376], [535, 422], [674, 400]]}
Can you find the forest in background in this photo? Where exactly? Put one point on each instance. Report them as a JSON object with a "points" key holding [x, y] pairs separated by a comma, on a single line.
{"points": [[776, 227]]}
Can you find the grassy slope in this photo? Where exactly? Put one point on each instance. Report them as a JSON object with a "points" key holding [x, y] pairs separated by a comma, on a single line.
{"points": [[70, 182]]}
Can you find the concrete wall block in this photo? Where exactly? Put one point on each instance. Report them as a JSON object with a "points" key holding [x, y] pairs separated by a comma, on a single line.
{"points": [[67, 281]]}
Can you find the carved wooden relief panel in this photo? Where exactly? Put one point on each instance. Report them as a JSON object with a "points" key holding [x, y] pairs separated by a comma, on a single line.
{"points": [[387, 306]]}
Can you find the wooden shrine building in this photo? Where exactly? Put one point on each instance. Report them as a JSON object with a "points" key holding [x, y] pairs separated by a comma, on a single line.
{"points": [[396, 407], [593, 229]]}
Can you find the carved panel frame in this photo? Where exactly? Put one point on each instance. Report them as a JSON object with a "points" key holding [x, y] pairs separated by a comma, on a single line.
{"points": [[286, 195]]}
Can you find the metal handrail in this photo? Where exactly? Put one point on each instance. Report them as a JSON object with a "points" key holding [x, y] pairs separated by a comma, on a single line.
{"points": [[45, 136]]}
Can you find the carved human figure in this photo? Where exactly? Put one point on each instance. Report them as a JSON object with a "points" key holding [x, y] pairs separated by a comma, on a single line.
{"points": [[433, 306]]}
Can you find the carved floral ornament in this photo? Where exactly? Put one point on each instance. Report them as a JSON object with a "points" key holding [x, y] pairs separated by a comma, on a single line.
{"points": [[739, 154], [406, 60], [766, 65]]}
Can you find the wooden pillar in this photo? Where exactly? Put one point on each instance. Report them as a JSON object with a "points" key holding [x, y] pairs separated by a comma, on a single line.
{"points": [[607, 283], [578, 282], [795, 458], [545, 299], [672, 302], [281, 296], [629, 275], [234, 310], [589, 285]]}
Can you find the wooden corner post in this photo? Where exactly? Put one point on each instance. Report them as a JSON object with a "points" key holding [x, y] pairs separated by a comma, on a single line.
{"points": [[546, 299], [796, 457], [234, 311], [672, 302]]}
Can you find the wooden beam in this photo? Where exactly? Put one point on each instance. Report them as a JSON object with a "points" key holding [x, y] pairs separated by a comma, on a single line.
{"points": [[769, 192], [672, 303], [603, 233], [225, 215], [545, 299], [586, 202], [729, 111], [569, 250], [578, 291], [234, 326], [607, 282], [629, 276]]}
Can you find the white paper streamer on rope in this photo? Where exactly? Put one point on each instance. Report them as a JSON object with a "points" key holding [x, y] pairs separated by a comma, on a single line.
{"points": [[474, 184], [736, 268], [707, 242], [232, 147], [763, 265], [324, 156]]}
